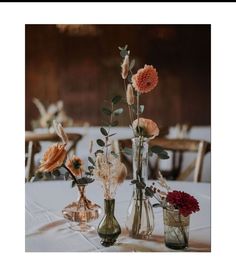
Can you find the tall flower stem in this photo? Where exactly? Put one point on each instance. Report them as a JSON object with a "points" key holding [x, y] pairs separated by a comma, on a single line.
{"points": [[70, 172]]}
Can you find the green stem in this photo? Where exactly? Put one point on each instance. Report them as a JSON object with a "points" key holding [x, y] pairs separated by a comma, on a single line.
{"points": [[70, 172], [182, 230]]}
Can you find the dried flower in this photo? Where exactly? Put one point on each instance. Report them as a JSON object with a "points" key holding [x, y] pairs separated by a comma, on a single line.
{"points": [[186, 203], [125, 67], [53, 158], [145, 79], [130, 94], [147, 127], [60, 131], [111, 172], [75, 164]]}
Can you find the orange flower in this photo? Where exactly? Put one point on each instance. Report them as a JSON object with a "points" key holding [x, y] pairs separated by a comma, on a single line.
{"points": [[147, 126], [145, 80], [53, 158], [75, 164]]}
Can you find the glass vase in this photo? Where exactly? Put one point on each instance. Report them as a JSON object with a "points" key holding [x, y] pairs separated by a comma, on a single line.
{"points": [[176, 229], [140, 218], [81, 212], [109, 228]]}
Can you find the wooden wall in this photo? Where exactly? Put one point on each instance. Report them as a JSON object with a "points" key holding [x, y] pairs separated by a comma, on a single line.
{"points": [[84, 70]]}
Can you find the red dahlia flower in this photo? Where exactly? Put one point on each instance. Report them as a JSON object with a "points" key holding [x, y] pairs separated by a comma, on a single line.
{"points": [[186, 203]]}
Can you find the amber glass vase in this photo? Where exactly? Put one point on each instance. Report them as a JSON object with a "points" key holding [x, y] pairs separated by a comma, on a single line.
{"points": [[81, 212]]}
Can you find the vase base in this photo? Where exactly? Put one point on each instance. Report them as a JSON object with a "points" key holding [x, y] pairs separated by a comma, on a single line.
{"points": [[108, 240], [175, 246], [140, 236], [81, 227]]}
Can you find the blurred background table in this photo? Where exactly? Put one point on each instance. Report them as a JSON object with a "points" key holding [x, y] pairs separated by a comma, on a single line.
{"points": [[47, 231]]}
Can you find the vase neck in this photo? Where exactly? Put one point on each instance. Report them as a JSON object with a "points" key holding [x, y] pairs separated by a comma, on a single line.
{"points": [[81, 191], [140, 158], [109, 206]]}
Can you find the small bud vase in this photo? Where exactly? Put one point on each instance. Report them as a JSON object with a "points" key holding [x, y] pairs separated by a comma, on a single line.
{"points": [[81, 212], [109, 228]]}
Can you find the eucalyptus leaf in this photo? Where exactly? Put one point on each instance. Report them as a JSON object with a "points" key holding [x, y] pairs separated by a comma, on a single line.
{"points": [[118, 111], [106, 111], [39, 175], [111, 134], [56, 173], [99, 151], [91, 161], [116, 99], [90, 168], [156, 149], [103, 131], [73, 183], [149, 192], [48, 175], [85, 180], [134, 181], [163, 155], [100, 142], [123, 53], [140, 185], [66, 175]]}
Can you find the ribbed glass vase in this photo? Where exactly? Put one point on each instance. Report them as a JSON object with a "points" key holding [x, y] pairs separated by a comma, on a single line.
{"points": [[140, 217]]}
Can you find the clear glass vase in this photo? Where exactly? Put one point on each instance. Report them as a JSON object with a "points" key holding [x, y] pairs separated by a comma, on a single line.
{"points": [[81, 212], [176, 229], [140, 218], [109, 228]]}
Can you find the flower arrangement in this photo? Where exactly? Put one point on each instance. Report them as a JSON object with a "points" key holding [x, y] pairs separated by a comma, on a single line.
{"points": [[106, 165], [136, 85], [177, 208], [56, 157]]}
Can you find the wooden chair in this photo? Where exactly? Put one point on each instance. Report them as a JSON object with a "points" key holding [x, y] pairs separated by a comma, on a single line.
{"points": [[177, 146], [33, 140]]}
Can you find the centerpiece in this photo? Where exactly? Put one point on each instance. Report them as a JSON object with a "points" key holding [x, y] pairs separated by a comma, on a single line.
{"points": [[140, 218], [177, 208], [81, 211], [107, 168]]}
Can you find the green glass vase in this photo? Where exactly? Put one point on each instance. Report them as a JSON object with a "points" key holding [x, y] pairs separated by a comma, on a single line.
{"points": [[109, 228]]}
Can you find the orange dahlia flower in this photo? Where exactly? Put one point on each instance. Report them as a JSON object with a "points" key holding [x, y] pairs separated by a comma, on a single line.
{"points": [[147, 126], [145, 80], [75, 164], [53, 158]]}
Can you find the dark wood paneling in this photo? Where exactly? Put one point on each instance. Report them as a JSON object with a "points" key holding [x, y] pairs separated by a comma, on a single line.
{"points": [[84, 70]]}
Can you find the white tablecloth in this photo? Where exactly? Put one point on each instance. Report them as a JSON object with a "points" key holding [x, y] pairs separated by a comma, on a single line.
{"points": [[47, 230]]}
